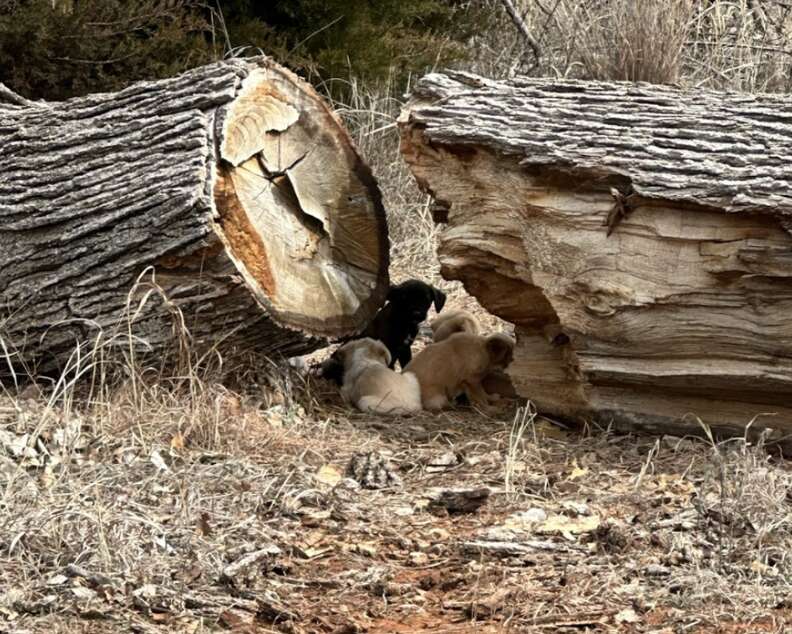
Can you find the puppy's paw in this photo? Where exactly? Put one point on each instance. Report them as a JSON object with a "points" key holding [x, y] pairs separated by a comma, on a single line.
{"points": [[435, 403], [485, 408]]}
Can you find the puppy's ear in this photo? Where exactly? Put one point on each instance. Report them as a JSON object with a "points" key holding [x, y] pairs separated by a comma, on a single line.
{"points": [[500, 349], [393, 294], [381, 350], [439, 299], [333, 369]]}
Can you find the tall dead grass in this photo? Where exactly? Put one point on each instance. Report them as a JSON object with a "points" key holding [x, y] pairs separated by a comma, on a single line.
{"points": [[741, 45], [370, 113], [632, 41], [180, 396]]}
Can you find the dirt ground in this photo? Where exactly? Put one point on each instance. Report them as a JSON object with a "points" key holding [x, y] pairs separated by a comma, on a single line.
{"points": [[247, 519]]}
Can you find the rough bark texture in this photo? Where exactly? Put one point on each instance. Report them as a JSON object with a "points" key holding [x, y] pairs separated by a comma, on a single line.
{"points": [[232, 188], [637, 236]]}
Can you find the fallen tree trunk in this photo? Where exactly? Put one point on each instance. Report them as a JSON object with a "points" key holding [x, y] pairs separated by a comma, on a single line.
{"points": [[232, 190], [637, 236]]}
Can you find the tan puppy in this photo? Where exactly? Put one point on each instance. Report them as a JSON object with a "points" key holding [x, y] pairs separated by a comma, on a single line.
{"points": [[370, 385], [452, 322], [458, 364]]}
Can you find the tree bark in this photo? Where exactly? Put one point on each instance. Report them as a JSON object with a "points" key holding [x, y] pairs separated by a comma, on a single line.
{"points": [[232, 191], [637, 236]]}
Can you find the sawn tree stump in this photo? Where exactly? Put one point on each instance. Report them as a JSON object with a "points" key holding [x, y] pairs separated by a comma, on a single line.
{"points": [[233, 191], [637, 236]]}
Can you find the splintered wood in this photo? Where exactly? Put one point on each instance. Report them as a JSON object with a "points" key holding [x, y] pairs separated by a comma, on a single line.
{"points": [[231, 193], [637, 236]]}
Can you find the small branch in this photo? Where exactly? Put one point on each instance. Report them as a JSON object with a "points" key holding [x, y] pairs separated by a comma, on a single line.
{"points": [[758, 14], [523, 29], [9, 96], [750, 47]]}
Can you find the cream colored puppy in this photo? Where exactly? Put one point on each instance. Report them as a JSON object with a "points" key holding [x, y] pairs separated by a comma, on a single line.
{"points": [[459, 364], [451, 322], [370, 385]]}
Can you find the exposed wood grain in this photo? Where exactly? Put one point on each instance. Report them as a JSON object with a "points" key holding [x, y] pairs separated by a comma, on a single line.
{"points": [[174, 183], [637, 236]]}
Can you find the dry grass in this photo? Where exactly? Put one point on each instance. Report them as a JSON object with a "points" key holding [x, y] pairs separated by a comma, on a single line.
{"points": [[370, 115], [723, 44], [156, 502], [139, 514], [160, 502], [633, 41]]}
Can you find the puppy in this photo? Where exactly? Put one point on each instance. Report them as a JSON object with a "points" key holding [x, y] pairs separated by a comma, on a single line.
{"points": [[449, 323], [396, 324], [370, 385], [458, 365], [495, 383]]}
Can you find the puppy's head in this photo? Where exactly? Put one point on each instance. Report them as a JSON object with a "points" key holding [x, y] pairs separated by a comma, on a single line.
{"points": [[413, 298], [332, 368], [500, 349], [363, 350]]}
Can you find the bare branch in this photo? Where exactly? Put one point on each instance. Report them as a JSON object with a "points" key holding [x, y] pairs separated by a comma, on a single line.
{"points": [[523, 29]]}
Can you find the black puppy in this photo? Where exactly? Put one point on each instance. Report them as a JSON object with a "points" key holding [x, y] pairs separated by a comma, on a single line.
{"points": [[396, 324]]}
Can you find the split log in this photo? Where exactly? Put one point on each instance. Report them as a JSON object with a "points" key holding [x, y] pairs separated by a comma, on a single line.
{"points": [[637, 236], [233, 189]]}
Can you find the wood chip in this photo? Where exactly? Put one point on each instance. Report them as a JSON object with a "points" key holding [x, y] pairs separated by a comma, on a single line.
{"points": [[246, 561], [460, 500]]}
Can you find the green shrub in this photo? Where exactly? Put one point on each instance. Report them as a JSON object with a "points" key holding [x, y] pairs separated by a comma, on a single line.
{"points": [[99, 45], [62, 48], [367, 39]]}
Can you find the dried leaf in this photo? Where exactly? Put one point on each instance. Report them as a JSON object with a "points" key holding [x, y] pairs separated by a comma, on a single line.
{"points": [[569, 526], [627, 615], [530, 516], [418, 558], [328, 475], [177, 442], [157, 461], [546, 429], [203, 525], [81, 592], [57, 580], [367, 549], [146, 591], [763, 569], [577, 472], [442, 462]]}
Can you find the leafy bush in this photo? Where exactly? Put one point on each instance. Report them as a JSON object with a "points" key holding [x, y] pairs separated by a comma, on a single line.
{"points": [[73, 48], [62, 48], [365, 39]]}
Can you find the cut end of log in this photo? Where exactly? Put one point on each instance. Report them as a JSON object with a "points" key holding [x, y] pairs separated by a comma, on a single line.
{"points": [[298, 211]]}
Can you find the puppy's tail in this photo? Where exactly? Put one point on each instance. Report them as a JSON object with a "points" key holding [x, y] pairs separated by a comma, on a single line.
{"points": [[458, 321]]}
